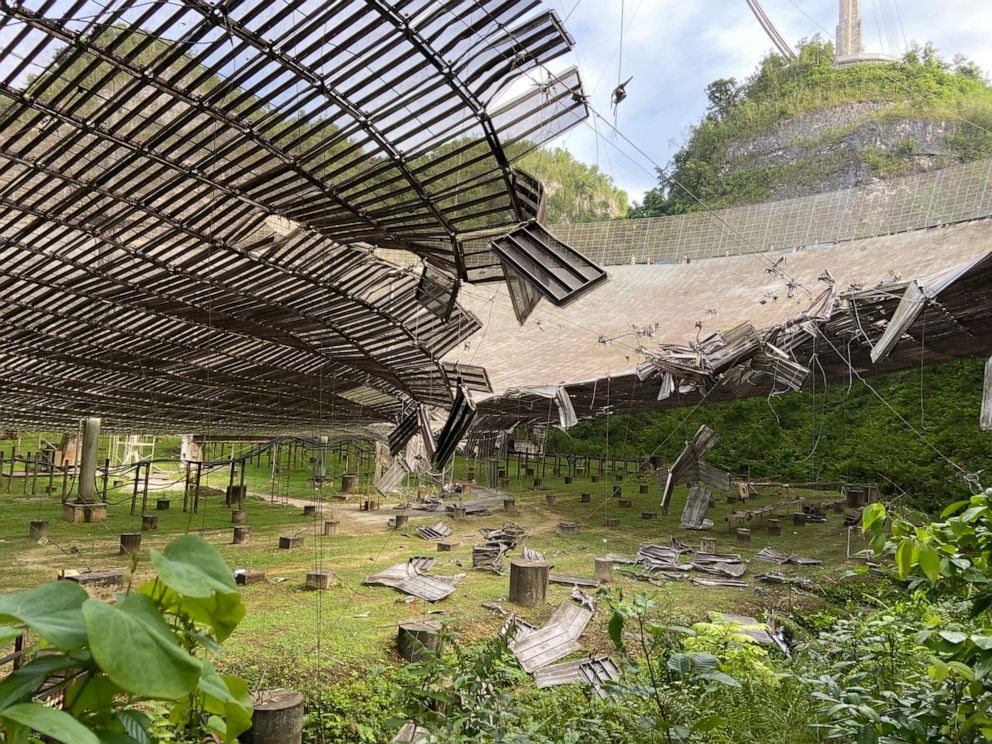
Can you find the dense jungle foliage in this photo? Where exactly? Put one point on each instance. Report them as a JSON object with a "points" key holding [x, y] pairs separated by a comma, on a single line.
{"points": [[838, 432], [921, 86]]}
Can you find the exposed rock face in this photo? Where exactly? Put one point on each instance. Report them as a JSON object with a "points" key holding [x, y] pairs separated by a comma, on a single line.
{"points": [[842, 147]]}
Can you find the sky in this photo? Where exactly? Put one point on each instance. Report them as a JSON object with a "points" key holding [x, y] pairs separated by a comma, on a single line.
{"points": [[674, 48]]}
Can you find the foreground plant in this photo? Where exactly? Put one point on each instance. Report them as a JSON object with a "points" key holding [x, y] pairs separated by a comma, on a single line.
{"points": [[114, 663]]}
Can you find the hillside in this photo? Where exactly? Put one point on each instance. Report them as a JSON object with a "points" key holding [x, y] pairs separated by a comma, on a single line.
{"points": [[575, 192], [805, 127]]}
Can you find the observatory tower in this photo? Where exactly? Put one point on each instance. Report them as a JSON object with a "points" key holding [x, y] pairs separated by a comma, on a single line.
{"points": [[848, 44]]}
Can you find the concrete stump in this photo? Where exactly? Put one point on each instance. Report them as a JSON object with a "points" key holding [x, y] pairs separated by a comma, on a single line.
{"points": [[611, 521], [649, 515], [237, 516], [162, 504], [603, 570], [458, 512], [418, 639], [470, 474], [349, 483], [537, 482], [130, 542], [330, 527], [96, 512], [319, 580], [568, 479], [585, 498], [556, 473], [743, 536], [99, 579], [401, 521], [501, 473], [466, 489], [643, 488], [707, 545], [529, 582], [775, 527], [819, 510], [310, 510], [551, 499], [839, 507], [626, 503], [250, 576], [856, 497], [72, 513], [617, 491], [594, 479], [277, 719], [288, 542], [530, 472], [510, 506], [242, 535], [799, 519], [733, 498], [568, 528], [149, 522], [38, 530], [446, 546], [504, 482]]}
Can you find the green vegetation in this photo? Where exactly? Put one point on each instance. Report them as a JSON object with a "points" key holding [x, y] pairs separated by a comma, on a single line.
{"points": [[833, 433], [118, 666], [575, 192], [922, 86]]}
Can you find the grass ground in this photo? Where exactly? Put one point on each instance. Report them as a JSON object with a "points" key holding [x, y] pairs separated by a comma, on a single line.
{"points": [[355, 624]]}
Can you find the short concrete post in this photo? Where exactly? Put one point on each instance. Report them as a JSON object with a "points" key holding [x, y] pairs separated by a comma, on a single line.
{"points": [[510, 506], [418, 639], [446, 546], [568, 479], [585, 498], [643, 488], [318, 580], [162, 504], [38, 530], [330, 527], [310, 510], [349, 483], [799, 519], [237, 516], [707, 545], [603, 570], [775, 527], [617, 491], [550, 499], [839, 507], [537, 482], [743, 536], [649, 515], [288, 542], [529, 582], [149, 522], [242, 535], [458, 512], [625, 503], [568, 528], [277, 719], [594, 479], [401, 520], [611, 521], [130, 542]]}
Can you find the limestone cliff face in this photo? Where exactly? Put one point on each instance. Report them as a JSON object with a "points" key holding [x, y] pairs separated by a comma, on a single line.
{"points": [[837, 148]]}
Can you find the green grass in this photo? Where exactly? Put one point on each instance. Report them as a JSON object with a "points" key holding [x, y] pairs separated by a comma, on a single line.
{"points": [[284, 622]]}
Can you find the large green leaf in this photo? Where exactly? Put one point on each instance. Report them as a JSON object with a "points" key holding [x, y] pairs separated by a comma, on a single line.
{"points": [[55, 724], [226, 696], [930, 563], [20, 684], [193, 567], [222, 612], [904, 558], [50, 610], [133, 645]]}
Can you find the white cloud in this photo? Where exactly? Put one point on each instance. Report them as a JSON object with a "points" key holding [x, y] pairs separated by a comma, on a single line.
{"points": [[673, 49]]}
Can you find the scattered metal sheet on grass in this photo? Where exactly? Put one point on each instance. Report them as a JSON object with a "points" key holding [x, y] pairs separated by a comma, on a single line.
{"points": [[438, 532], [617, 558], [423, 563], [680, 547], [771, 555], [706, 558], [489, 556], [557, 578], [711, 582], [529, 554], [733, 570], [565, 673], [406, 578], [696, 506], [774, 577], [509, 534], [556, 640], [598, 672], [657, 555], [516, 627]]}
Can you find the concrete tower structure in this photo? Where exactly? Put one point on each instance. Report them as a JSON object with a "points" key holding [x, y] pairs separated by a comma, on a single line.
{"points": [[849, 37]]}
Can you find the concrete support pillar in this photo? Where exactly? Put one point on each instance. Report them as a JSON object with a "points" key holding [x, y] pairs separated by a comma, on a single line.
{"points": [[87, 466], [320, 461]]}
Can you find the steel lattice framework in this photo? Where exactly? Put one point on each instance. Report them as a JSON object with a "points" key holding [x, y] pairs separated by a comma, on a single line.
{"points": [[190, 193]]}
